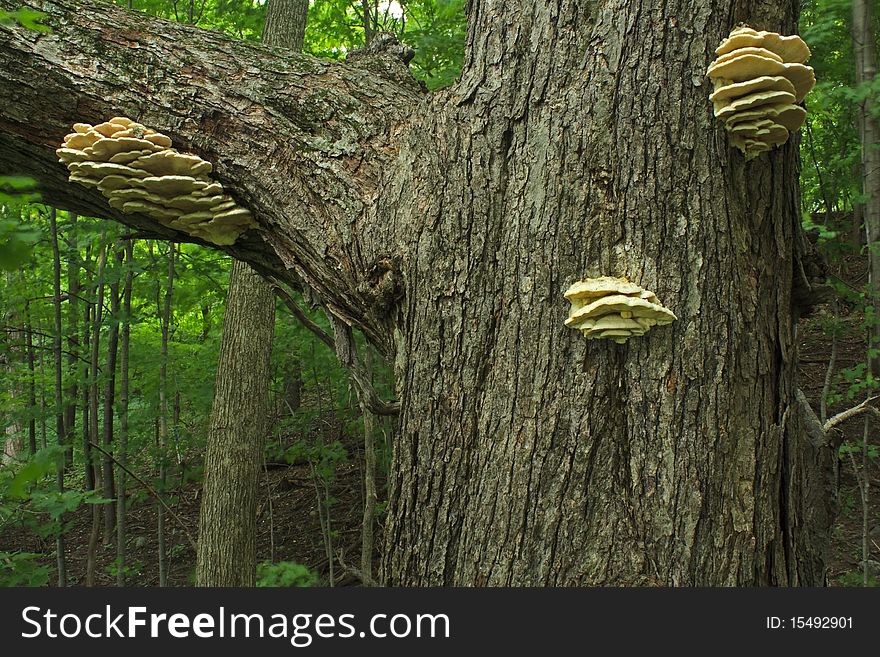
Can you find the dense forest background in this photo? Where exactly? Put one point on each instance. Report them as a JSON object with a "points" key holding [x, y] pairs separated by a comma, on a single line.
{"points": [[110, 345]]}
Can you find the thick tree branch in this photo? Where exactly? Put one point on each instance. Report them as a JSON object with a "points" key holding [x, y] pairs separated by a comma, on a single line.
{"points": [[303, 143]]}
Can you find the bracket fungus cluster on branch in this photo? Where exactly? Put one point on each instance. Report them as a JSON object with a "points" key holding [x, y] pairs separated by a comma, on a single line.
{"points": [[138, 171], [759, 80], [614, 308]]}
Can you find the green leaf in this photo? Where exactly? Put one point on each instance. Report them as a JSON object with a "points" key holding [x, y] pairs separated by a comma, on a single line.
{"points": [[27, 18]]}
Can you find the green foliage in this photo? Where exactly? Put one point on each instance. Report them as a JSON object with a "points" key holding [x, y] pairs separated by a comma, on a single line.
{"points": [[29, 498], [830, 144], [323, 457], [42, 463], [17, 236], [855, 578], [22, 569], [435, 29], [27, 18], [285, 574], [856, 448], [131, 570]]}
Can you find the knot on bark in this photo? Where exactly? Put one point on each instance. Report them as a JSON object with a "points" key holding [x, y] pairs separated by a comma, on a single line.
{"points": [[382, 286], [386, 56], [383, 44]]}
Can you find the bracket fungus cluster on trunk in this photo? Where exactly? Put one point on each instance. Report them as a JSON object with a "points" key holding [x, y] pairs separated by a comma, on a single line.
{"points": [[759, 80], [614, 308], [138, 171]]}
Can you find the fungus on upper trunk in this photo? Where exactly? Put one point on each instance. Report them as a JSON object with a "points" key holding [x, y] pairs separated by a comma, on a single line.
{"points": [[136, 169], [759, 80]]}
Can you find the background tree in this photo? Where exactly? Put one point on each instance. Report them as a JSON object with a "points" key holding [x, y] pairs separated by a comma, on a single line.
{"points": [[227, 521]]}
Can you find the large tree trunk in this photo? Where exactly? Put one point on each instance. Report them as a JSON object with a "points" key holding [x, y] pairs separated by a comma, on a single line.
{"points": [[530, 456], [237, 434], [578, 142]]}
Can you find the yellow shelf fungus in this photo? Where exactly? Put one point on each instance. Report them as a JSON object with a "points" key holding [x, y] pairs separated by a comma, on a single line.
{"points": [[614, 308], [759, 81], [138, 171]]}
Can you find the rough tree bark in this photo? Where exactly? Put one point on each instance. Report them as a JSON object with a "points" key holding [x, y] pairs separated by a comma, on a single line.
{"points": [[578, 141], [227, 518], [241, 394]]}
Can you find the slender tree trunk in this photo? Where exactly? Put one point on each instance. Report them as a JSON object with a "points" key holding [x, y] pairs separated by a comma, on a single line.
{"points": [[32, 381], [869, 132], [285, 24], [865, 50], [109, 400], [93, 432], [85, 373], [71, 393], [370, 496], [59, 410], [122, 451], [97, 319], [162, 435], [206, 322], [10, 354], [227, 519], [43, 405]]}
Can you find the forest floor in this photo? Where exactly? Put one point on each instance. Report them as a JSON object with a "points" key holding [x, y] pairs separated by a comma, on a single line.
{"points": [[289, 527], [815, 348]]}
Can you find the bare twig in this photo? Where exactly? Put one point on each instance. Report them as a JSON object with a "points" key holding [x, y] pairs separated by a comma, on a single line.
{"points": [[843, 416], [151, 491], [372, 400], [297, 312]]}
